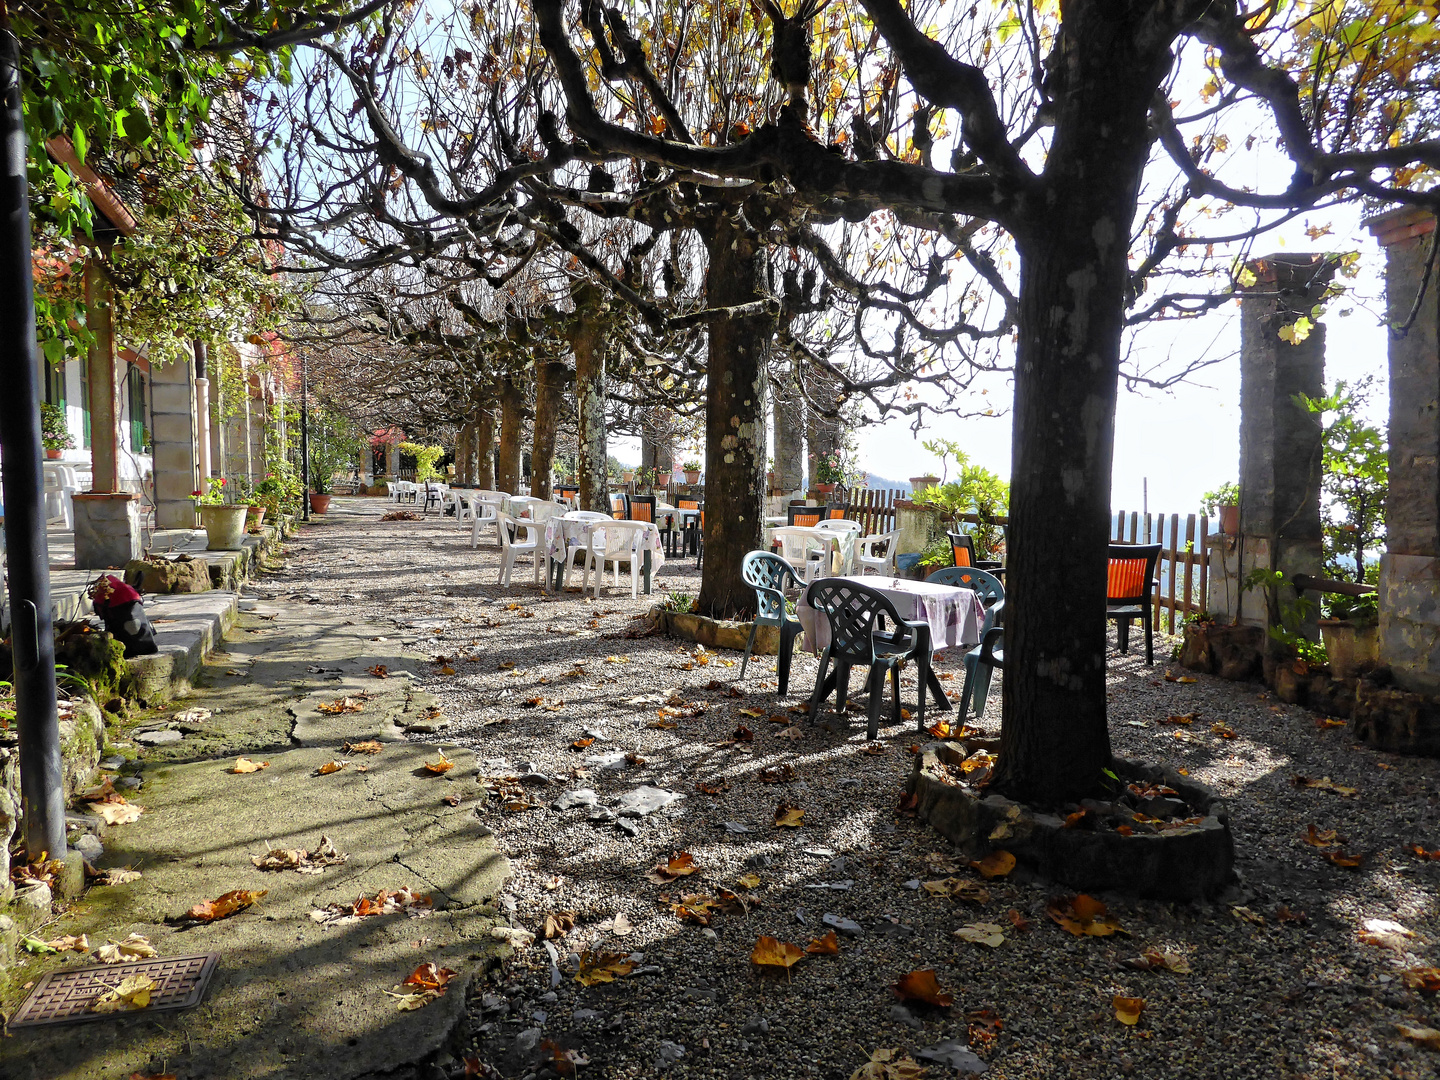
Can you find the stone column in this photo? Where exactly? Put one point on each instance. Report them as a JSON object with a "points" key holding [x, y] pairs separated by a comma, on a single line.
{"points": [[107, 520], [1410, 567], [176, 455], [1280, 444], [202, 408], [104, 386]]}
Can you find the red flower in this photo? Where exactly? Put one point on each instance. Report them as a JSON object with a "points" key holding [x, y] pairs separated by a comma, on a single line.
{"points": [[195, 494]]}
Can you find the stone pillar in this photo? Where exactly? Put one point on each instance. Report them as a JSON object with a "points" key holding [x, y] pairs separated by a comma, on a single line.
{"points": [[176, 456], [202, 407], [392, 462], [104, 386], [107, 529], [1410, 567], [1280, 445]]}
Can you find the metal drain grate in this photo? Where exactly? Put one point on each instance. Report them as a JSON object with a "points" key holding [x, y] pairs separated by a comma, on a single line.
{"points": [[64, 997]]}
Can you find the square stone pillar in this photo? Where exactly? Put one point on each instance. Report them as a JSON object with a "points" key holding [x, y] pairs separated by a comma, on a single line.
{"points": [[1280, 439], [103, 381], [176, 455], [1410, 568], [107, 529]]}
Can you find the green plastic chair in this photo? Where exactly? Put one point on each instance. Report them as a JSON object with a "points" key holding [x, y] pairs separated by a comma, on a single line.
{"points": [[766, 574]]}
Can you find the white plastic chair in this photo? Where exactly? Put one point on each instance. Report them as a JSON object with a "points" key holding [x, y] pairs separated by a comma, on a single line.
{"points": [[512, 546], [884, 563], [434, 495], [805, 548], [543, 511], [485, 510], [611, 544], [577, 540]]}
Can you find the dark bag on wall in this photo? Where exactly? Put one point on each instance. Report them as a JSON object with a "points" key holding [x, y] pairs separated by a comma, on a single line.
{"points": [[123, 614]]}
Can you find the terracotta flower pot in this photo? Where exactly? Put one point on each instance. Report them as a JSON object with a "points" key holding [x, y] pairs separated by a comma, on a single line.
{"points": [[53, 455], [824, 489], [254, 518], [692, 476], [319, 504], [224, 526], [920, 483], [1230, 520]]}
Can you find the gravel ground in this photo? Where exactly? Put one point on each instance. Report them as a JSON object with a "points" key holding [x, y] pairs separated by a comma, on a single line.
{"points": [[1264, 998]]}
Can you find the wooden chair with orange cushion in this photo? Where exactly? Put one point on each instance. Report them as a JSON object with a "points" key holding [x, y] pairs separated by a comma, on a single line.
{"points": [[642, 508], [803, 515], [618, 509], [962, 548], [691, 534], [1129, 592]]}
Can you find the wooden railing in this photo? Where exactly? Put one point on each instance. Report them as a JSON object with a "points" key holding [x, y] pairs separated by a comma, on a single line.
{"points": [[1183, 567]]}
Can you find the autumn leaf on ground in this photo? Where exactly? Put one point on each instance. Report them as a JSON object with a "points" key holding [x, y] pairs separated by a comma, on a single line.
{"points": [[1020, 922], [300, 860], [1416, 978], [996, 864], [1225, 731], [663, 725], [681, 865], [890, 1065], [1128, 1009], [750, 880], [1339, 858], [601, 967], [1324, 784], [384, 902], [1157, 960], [223, 906], [1385, 933], [984, 1027], [429, 977], [635, 759], [245, 765], [958, 889], [777, 774], [828, 945], [134, 947], [582, 744], [133, 993], [712, 789], [1183, 719], [991, 934], [1244, 914], [1322, 838], [742, 734], [367, 746], [1323, 722], [330, 767], [909, 804], [789, 816], [380, 671], [116, 811], [557, 924], [1285, 915], [1083, 916], [694, 908], [1425, 856], [754, 714], [440, 766], [1171, 677], [1427, 1037], [342, 705], [70, 943], [771, 952], [922, 986]]}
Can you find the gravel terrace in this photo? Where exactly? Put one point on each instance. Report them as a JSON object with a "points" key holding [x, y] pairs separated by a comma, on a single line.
{"points": [[529, 679]]}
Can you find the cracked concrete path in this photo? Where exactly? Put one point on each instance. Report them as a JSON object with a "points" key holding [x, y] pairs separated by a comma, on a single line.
{"points": [[291, 997]]}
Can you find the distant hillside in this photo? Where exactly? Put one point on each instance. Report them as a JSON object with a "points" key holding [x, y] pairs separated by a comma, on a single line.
{"points": [[871, 480]]}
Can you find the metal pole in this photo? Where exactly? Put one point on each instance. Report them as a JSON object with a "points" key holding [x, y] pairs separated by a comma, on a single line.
{"points": [[32, 633], [305, 434]]}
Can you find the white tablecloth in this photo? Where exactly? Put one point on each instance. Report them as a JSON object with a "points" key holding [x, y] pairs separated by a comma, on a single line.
{"points": [[559, 530], [955, 615], [842, 543]]}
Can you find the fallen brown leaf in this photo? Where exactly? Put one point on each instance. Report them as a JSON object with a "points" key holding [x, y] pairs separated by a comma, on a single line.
{"points": [[225, 905], [440, 766], [771, 952], [1083, 916], [788, 815], [557, 924], [996, 864], [828, 945], [330, 767], [1128, 1009], [245, 765], [601, 967], [923, 987]]}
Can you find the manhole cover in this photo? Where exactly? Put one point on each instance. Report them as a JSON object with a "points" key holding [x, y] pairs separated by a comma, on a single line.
{"points": [[64, 997]]}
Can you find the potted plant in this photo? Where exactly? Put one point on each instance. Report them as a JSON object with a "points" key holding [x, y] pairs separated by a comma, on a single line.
{"points": [[627, 476], [264, 501], [691, 469], [1223, 503], [54, 431], [223, 521], [937, 555], [829, 472]]}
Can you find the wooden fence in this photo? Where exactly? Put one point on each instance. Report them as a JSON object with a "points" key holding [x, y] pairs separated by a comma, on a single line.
{"points": [[874, 508], [1183, 567]]}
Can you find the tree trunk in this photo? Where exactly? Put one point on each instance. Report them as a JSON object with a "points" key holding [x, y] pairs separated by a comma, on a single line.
{"points": [[588, 341], [550, 378], [1055, 739], [512, 430], [486, 416], [739, 355], [823, 432], [789, 434]]}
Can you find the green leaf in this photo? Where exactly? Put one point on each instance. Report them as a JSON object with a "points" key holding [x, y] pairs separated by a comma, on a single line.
{"points": [[80, 142]]}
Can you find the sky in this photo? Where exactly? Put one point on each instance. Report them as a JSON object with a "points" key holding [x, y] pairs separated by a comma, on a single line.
{"points": [[1182, 442]]}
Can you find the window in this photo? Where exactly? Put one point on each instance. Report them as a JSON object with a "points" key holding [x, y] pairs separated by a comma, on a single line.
{"points": [[135, 392], [85, 401], [55, 383]]}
